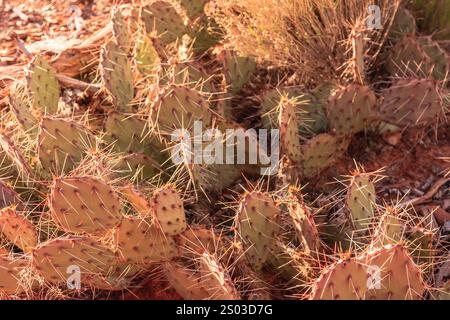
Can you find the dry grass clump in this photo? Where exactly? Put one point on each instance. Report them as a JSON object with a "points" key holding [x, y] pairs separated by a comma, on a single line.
{"points": [[314, 37]]}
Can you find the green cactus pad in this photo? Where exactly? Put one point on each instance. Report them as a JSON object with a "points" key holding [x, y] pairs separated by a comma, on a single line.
{"points": [[404, 23], [18, 229], [390, 228], [293, 265], [257, 225], [117, 76], [408, 58], [206, 34], [311, 113], [193, 8], [137, 165], [351, 109], [19, 106], [289, 124], [10, 274], [321, 152], [361, 201], [167, 207], [401, 278], [126, 133], [147, 57], [304, 225], [178, 107], [56, 260], [120, 30], [162, 18], [62, 144], [140, 242], [439, 57], [15, 155], [84, 205], [43, 86], [412, 103], [238, 70], [343, 280]]}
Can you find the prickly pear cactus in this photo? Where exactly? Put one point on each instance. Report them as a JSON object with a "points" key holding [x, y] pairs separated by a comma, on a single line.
{"points": [[390, 228], [18, 229], [408, 58], [238, 70], [257, 226], [399, 278], [178, 107], [292, 264], [10, 274], [62, 144], [343, 280], [193, 8], [147, 57], [43, 86], [141, 242], [289, 131], [19, 106], [404, 23], [321, 152], [56, 260], [415, 102], [361, 201], [351, 109], [125, 133], [162, 19], [116, 75], [167, 207], [84, 205], [120, 30], [197, 239], [311, 113], [220, 286], [9, 197]]}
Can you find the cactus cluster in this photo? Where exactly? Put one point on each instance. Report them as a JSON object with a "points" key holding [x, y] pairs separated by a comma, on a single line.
{"points": [[93, 191]]}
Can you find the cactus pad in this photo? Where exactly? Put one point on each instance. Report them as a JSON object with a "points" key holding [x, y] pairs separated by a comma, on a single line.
{"points": [[289, 131], [167, 206], [10, 270], [18, 229], [412, 103], [19, 106], [9, 197], [162, 18], [62, 144], [84, 205], [351, 109], [55, 259], [193, 8], [116, 75], [120, 30], [401, 278], [143, 243], [147, 58], [43, 86], [361, 201], [343, 280], [125, 133], [178, 107], [238, 70], [257, 223], [321, 152]]}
